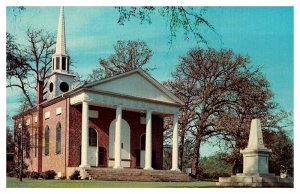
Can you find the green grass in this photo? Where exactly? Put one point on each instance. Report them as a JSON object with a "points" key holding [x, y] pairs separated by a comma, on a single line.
{"points": [[31, 183]]}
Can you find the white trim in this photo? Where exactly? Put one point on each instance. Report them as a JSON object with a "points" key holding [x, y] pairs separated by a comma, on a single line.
{"points": [[105, 99]]}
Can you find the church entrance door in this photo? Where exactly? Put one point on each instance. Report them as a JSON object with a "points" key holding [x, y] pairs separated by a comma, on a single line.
{"points": [[125, 144]]}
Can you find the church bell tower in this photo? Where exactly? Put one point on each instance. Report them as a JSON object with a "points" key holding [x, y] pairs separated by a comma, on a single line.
{"points": [[60, 80]]}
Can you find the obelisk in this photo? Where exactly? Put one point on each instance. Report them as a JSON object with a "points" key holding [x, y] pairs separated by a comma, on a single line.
{"points": [[255, 155]]}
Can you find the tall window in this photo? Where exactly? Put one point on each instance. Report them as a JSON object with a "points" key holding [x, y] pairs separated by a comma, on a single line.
{"points": [[92, 137], [47, 130], [35, 144], [58, 138]]}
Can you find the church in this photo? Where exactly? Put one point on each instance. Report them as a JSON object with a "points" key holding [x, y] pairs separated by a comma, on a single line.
{"points": [[114, 123]]}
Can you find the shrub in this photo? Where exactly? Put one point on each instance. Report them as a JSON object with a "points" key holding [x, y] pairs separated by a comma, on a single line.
{"points": [[34, 175], [11, 174], [43, 175], [75, 175], [49, 174], [26, 174]]}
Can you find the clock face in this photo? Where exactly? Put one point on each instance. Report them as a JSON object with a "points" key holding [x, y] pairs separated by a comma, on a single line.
{"points": [[51, 87], [64, 87]]}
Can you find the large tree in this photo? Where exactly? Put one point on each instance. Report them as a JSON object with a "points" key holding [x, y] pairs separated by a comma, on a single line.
{"points": [[217, 82], [128, 55], [27, 64]]}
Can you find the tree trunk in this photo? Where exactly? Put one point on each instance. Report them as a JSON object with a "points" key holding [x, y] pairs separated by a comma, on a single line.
{"points": [[195, 159]]}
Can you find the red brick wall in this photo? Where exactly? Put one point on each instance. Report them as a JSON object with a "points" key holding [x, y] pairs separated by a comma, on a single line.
{"points": [[74, 136], [55, 161], [106, 116]]}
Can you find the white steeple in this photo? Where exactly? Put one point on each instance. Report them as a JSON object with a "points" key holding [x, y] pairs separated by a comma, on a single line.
{"points": [[60, 80], [61, 41], [60, 59]]}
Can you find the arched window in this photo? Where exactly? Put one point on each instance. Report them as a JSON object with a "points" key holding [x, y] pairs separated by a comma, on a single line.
{"points": [[58, 138], [92, 137], [47, 130]]}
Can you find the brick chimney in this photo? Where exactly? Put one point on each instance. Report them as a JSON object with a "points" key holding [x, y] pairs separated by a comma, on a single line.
{"points": [[40, 92], [40, 123]]}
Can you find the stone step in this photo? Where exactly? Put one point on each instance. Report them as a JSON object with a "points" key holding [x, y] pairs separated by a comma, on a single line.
{"points": [[137, 175]]}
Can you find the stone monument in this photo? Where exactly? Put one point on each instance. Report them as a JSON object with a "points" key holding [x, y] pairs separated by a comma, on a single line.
{"points": [[255, 155], [255, 165]]}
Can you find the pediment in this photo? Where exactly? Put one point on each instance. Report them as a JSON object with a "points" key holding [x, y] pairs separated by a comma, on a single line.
{"points": [[138, 84]]}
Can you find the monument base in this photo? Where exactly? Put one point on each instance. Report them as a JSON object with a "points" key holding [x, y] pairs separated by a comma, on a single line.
{"points": [[255, 180]]}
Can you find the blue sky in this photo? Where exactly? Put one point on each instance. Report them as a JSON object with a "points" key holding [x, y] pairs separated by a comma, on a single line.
{"points": [[263, 33]]}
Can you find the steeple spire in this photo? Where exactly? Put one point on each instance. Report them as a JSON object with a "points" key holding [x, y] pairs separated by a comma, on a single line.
{"points": [[61, 40], [60, 59]]}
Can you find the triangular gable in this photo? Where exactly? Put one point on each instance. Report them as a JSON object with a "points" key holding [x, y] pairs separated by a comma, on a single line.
{"points": [[136, 83]]}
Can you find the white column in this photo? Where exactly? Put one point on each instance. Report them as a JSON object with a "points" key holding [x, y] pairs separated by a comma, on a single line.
{"points": [[84, 135], [148, 151], [117, 163], [175, 144]]}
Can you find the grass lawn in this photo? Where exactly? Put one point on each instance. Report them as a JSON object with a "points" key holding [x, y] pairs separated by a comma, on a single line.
{"points": [[31, 183]]}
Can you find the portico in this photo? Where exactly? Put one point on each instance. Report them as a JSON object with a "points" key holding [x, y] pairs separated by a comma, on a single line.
{"points": [[157, 102]]}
